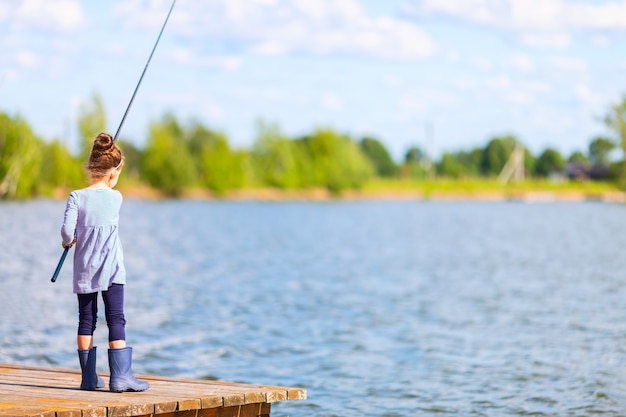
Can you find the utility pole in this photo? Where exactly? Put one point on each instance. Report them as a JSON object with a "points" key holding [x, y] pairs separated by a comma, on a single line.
{"points": [[514, 167], [429, 136]]}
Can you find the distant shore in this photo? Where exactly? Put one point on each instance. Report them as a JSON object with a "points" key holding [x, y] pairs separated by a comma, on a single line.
{"points": [[438, 190], [321, 194]]}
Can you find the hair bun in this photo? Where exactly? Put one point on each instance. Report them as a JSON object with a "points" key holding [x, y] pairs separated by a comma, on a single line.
{"points": [[104, 155], [103, 142]]}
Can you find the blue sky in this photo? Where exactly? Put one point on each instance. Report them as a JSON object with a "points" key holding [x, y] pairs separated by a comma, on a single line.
{"points": [[444, 75]]}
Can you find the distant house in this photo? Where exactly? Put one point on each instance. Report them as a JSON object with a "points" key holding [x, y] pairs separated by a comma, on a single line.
{"points": [[579, 171], [599, 172], [576, 171]]}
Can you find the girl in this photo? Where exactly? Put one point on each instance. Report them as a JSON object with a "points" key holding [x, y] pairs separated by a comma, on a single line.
{"points": [[91, 222]]}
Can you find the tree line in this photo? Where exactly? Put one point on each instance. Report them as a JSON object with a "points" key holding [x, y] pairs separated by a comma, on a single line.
{"points": [[181, 155]]}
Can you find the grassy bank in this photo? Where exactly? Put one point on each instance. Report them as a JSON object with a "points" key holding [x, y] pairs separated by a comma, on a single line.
{"points": [[492, 189], [435, 189]]}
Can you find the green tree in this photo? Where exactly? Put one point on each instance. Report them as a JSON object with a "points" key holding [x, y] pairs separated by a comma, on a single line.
{"points": [[449, 165], [579, 158], [549, 162], [461, 164], [167, 164], [379, 157], [91, 122], [415, 163], [414, 155], [616, 121], [336, 161], [132, 160], [496, 154], [277, 160], [20, 158], [59, 168], [219, 168], [600, 149], [471, 162]]}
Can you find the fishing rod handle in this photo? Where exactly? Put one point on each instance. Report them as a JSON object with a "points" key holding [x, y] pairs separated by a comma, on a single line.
{"points": [[59, 265]]}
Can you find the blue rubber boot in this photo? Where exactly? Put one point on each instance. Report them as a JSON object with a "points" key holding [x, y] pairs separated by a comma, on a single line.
{"points": [[122, 378], [90, 380]]}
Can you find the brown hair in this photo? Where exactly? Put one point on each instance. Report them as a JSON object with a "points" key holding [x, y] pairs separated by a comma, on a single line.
{"points": [[105, 155]]}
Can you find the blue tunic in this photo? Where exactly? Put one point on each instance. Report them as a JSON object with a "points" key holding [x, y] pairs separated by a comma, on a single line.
{"points": [[92, 215]]}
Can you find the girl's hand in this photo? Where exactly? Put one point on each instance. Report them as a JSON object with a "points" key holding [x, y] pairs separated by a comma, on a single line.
{"points": [[68, 245]]}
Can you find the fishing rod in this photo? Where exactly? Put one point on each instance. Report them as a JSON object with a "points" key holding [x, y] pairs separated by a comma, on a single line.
{"points": [[67, 248], [60, 264], [144, 71]]}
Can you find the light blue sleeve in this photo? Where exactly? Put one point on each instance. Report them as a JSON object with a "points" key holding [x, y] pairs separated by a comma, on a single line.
{"points": [[68, 229]]}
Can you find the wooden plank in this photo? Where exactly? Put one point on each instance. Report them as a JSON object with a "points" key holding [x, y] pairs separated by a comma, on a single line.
{"points": [[247, 410], [255, 393], [63, 407], [54, 392], [232, 391], [63, 398], [73, 376], [188, 413], [296, 394]]}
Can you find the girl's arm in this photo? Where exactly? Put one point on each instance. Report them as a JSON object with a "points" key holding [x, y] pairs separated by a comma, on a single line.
{"points": [[68, 230]]}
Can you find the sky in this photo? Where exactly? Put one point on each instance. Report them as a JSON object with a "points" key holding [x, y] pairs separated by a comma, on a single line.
{"points": [[443, 75]]}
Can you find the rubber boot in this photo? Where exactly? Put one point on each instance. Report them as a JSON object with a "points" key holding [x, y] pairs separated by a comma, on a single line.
{"points": [[122, 378], [90, 380]]}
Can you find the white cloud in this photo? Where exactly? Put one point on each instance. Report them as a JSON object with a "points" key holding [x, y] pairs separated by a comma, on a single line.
{"points": [[546, 40], [10, 75], [27, 59], [270, 48], [510, 90], [571, 65], [521, 62], [500, 82], [421, 100], [538, 23], [482, 63], [392, 82], [186, 57], [464, 82], [477, 11], [609, 15], [50, 15], [115, 50], [529, 14], [538, 86], [266, 2], [549, 121], [583, 92], [518, 96], [601, 40], [196, 101], [413, 104], [4, 12], [331, 101], [593, 99], [269, 95], [535, 14], [324, 27]]}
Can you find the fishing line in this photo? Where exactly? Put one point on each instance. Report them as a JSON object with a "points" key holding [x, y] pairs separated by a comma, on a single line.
{"points": [[144, 71], [60, 264]]}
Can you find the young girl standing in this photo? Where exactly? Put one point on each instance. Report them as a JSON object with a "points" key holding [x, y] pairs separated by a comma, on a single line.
{"points": [[91, 223]]}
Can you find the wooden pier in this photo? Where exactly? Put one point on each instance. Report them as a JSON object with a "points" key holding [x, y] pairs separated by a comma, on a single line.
{"points": [[52, 392]]}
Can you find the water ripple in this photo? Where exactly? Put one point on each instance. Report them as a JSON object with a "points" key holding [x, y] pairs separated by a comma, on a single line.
{"points": [[377, 309]]}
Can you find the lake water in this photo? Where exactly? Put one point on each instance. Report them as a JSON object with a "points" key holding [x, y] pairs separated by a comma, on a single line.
{"points": [[376, 308]]}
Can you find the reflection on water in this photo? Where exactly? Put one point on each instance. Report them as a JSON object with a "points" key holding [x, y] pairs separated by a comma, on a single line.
{"points": [[377, 308]]}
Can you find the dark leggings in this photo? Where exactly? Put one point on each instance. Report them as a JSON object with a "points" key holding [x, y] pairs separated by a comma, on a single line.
{"points": [[113, 311]]}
